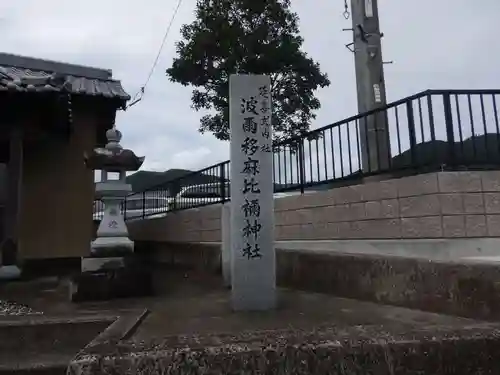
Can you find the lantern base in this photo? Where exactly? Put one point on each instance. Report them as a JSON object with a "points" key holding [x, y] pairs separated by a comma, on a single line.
{"points": [[111, 246], [110, 278], [9, 272]]}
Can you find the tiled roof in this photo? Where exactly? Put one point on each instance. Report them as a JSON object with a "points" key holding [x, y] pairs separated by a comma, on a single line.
{"points": [[25, 74]]}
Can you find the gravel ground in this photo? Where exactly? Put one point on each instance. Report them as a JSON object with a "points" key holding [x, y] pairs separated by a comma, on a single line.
{"points": [[8, 308]]}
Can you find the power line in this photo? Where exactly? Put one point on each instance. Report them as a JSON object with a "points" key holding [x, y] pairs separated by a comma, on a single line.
{"points": [[139, 95]]}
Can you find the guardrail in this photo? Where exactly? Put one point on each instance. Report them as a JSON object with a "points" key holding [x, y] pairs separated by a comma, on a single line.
{"points": [[432, 130]]}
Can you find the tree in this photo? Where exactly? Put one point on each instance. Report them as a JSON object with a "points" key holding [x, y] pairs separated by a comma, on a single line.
{"points": [[247, 36]]}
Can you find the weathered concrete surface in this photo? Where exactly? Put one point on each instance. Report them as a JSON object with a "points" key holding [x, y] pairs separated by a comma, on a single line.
{"points": [[457, 288], [191, 330], [31, 334], [45, 344], [464, 288], [197, 333], [211, 313], [327, 351]]}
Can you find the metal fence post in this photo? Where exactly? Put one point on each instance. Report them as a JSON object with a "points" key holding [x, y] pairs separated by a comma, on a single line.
{"points": [[450, 136], [411, 130], [301, 166], [124, 208], [143, 204], [176, 189], [222, 182]]}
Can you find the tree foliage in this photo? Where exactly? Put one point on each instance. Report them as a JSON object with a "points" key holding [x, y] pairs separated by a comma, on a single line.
{"points": [[247, 36]]}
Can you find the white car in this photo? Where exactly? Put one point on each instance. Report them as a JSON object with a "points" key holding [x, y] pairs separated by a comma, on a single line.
{"points": [[206, 194], [136, 205], [189, 197]]}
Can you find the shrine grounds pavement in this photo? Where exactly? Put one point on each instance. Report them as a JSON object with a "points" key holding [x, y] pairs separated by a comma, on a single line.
{"points": [[189, 328]]}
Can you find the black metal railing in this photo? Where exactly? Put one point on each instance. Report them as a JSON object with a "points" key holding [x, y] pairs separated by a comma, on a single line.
{"points": [[432, 130]]}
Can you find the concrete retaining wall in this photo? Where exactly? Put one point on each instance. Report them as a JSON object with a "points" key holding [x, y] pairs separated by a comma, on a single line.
{"points": [[469, 289], [434, 205]]}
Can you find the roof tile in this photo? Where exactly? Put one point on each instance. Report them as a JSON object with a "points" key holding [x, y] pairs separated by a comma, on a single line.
{"points": [[25, 80]]}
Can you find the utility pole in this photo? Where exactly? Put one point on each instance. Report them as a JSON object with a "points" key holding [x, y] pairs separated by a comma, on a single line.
{"points": [[370, 83]]}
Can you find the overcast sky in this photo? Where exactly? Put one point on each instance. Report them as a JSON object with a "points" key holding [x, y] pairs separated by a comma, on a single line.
{"points": [[434, 44]]}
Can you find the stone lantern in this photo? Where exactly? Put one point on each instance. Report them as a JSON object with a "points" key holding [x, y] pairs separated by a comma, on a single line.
{"points": [[112, 235], [111, 270]]}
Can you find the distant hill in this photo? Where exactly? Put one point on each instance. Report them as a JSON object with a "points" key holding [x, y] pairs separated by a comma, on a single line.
{"points": [[473, 152], [481, 149], [143, 180]]}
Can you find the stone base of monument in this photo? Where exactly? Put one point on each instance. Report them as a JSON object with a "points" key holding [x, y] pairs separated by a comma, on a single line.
{"points": [[110, 277]]}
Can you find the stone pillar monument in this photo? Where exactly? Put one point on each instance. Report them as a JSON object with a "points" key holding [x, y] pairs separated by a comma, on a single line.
{"points": [[226, 243], [253, 263], [112, 269]]}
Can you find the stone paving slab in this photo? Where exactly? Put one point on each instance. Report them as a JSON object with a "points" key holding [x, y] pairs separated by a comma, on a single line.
{"points": [[191, 330], [310, 333], [297, 310]]}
